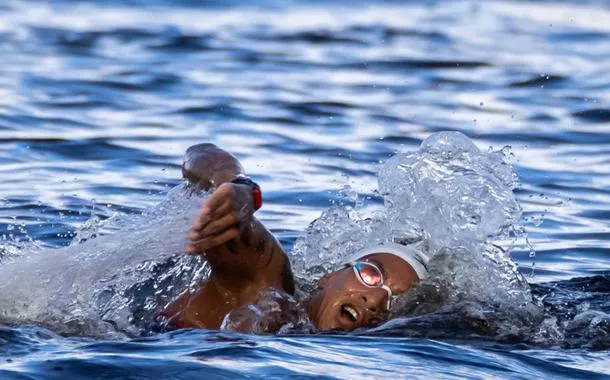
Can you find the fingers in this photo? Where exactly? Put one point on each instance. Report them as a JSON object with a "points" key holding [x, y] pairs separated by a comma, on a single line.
{"points": [[224, 193], [211, 241], [218, 204], [220, 225], [217, 222], [192, 249], [207, 216], [214, 227]]}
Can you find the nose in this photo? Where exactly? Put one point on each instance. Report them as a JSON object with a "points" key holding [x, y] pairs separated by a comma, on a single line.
{"points": [[374, 300]]}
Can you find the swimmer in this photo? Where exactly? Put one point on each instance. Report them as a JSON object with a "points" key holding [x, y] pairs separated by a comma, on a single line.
{"points": [[246, 259]]}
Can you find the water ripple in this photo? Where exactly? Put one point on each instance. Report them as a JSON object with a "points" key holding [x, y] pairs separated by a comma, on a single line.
{"points": [[99, 101]]}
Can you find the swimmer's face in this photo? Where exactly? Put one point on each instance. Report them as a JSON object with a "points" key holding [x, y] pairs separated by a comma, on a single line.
{"points": [[343, 302]]}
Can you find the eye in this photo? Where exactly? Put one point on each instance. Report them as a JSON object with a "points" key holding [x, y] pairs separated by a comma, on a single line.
{"points": [[369, 274]]}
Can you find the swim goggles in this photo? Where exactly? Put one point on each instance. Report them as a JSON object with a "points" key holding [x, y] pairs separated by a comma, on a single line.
{"points": [[370, 275]]}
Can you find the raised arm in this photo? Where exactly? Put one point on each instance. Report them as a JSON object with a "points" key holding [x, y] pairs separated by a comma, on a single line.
{"points": [[244, 256]]}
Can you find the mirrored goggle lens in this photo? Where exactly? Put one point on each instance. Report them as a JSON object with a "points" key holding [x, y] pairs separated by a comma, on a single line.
{"points": [[369, 274]]}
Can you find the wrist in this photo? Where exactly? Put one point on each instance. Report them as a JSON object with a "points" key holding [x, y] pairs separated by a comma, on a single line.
{"points": [[255, 190]]}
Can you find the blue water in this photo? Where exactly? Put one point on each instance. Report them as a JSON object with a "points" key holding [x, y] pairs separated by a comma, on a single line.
{"points": [[99, 101]]}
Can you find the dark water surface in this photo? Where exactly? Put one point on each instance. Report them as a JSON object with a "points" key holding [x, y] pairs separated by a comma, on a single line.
{"points": [[99, 102]]}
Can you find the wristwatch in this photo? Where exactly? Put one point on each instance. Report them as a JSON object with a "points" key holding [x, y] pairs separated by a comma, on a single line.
{"points": [[257, 194]]}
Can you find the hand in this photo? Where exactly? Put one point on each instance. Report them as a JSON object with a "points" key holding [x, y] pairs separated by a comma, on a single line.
{"points": [[220, 217]]}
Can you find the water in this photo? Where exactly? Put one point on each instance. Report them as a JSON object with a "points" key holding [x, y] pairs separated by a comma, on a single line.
{"points": [[99, 102]]}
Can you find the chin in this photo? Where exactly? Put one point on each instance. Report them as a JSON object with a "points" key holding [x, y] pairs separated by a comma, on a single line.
{"points": [[324, 327], [330, 327]]}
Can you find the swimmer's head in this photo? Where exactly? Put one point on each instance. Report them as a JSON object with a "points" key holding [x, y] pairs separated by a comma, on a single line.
{"points": [[359, 294]]}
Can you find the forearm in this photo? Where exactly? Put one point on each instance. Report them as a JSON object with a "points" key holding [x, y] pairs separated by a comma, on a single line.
{"points": [[244, 256], [253, 257], [235, 243]]}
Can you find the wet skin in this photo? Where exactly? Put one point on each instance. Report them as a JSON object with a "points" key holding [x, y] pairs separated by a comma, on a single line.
{"points": [[244, 256], [246, 259], [342, 302]]}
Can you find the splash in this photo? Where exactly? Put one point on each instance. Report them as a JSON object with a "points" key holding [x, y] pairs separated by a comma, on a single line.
{"points": [[455, 194], [107, 284], [446, 195], [456, 203]]}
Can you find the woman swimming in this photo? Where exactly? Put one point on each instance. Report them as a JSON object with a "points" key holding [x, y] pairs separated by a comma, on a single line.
{"points": [[247, 261]]}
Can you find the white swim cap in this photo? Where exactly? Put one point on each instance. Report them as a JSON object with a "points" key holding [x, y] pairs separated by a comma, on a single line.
{"points": [[414, 257]]}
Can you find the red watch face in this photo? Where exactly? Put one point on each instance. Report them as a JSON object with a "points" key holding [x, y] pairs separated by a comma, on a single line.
{"points": [[257, 195]]}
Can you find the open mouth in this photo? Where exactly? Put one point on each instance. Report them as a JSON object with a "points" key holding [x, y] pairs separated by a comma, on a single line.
{"points": [[349, 313]]}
